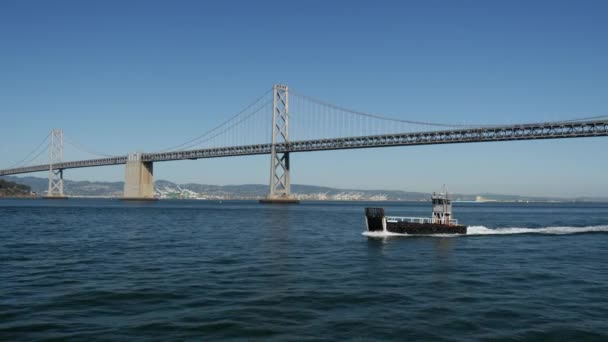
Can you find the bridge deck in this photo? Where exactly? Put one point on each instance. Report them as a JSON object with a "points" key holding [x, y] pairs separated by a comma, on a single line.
{"points": [[550, 130]]}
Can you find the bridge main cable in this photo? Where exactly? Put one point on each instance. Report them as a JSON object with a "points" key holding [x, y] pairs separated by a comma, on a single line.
{"points": [[533, 131]]}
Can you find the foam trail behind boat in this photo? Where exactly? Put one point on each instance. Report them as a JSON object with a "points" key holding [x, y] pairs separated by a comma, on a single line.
{"points": [[481, 230]]}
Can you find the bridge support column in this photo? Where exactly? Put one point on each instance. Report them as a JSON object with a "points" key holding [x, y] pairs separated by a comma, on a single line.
{"points": [[139, 179], [55, 158], [280, 185]]}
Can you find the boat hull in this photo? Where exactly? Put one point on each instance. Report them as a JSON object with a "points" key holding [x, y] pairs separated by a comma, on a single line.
{"points": [[424, 228], [376, 222]]}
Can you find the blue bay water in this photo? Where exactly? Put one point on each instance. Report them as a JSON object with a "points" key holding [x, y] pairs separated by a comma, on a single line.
{"points": [[196, 270]]}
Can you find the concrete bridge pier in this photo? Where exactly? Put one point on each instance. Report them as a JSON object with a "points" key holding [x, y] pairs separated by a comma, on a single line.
{"points": [[139, 179]]}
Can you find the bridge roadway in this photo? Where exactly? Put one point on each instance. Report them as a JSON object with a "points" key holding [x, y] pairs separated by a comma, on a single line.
{"points": [[549, 130]]}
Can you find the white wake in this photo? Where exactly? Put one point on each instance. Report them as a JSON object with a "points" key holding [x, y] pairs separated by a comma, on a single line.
{"points": [[481, 230]]}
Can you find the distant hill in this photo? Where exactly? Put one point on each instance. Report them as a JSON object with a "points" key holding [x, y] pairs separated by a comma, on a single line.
{"points": [[73, 188], [167, 189], [313, 192], [13, 189]]}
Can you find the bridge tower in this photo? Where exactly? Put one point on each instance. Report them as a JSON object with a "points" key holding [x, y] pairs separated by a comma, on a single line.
{"points": [[55, 170], [280, 186]]}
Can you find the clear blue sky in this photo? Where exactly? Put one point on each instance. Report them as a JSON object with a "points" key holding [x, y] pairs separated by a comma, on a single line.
{"points": [[122, 76]]}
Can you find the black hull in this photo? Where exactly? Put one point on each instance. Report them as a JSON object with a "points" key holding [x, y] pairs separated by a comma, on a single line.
{"points": [[376, 220], [424, 228]]}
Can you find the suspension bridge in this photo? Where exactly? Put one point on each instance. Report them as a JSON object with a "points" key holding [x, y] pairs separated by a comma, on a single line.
{"points": [[281, 122]]}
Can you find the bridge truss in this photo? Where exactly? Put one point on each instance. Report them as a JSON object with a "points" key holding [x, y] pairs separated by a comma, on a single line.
{"points": [[535, 131]]}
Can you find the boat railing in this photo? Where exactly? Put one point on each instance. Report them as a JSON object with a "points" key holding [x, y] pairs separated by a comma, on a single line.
{"points": [[416, 219]]}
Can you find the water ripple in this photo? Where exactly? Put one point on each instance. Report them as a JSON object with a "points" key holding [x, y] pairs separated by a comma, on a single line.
{"points": [[91, 269]]}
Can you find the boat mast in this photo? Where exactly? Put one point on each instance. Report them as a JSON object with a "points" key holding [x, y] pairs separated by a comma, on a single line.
{"points": [[445, 203]]}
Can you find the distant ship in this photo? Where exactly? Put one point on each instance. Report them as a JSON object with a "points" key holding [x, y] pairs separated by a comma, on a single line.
{"points": [[441, 221]]}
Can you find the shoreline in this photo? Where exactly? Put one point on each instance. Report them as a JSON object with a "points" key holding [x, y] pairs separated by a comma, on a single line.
{"points": [[34, 197]]}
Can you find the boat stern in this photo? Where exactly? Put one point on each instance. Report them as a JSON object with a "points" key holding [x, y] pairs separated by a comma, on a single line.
{"points": [[375, 219]]}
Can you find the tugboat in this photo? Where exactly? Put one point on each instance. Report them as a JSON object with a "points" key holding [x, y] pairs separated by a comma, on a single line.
{"points": [[441, 222]]}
